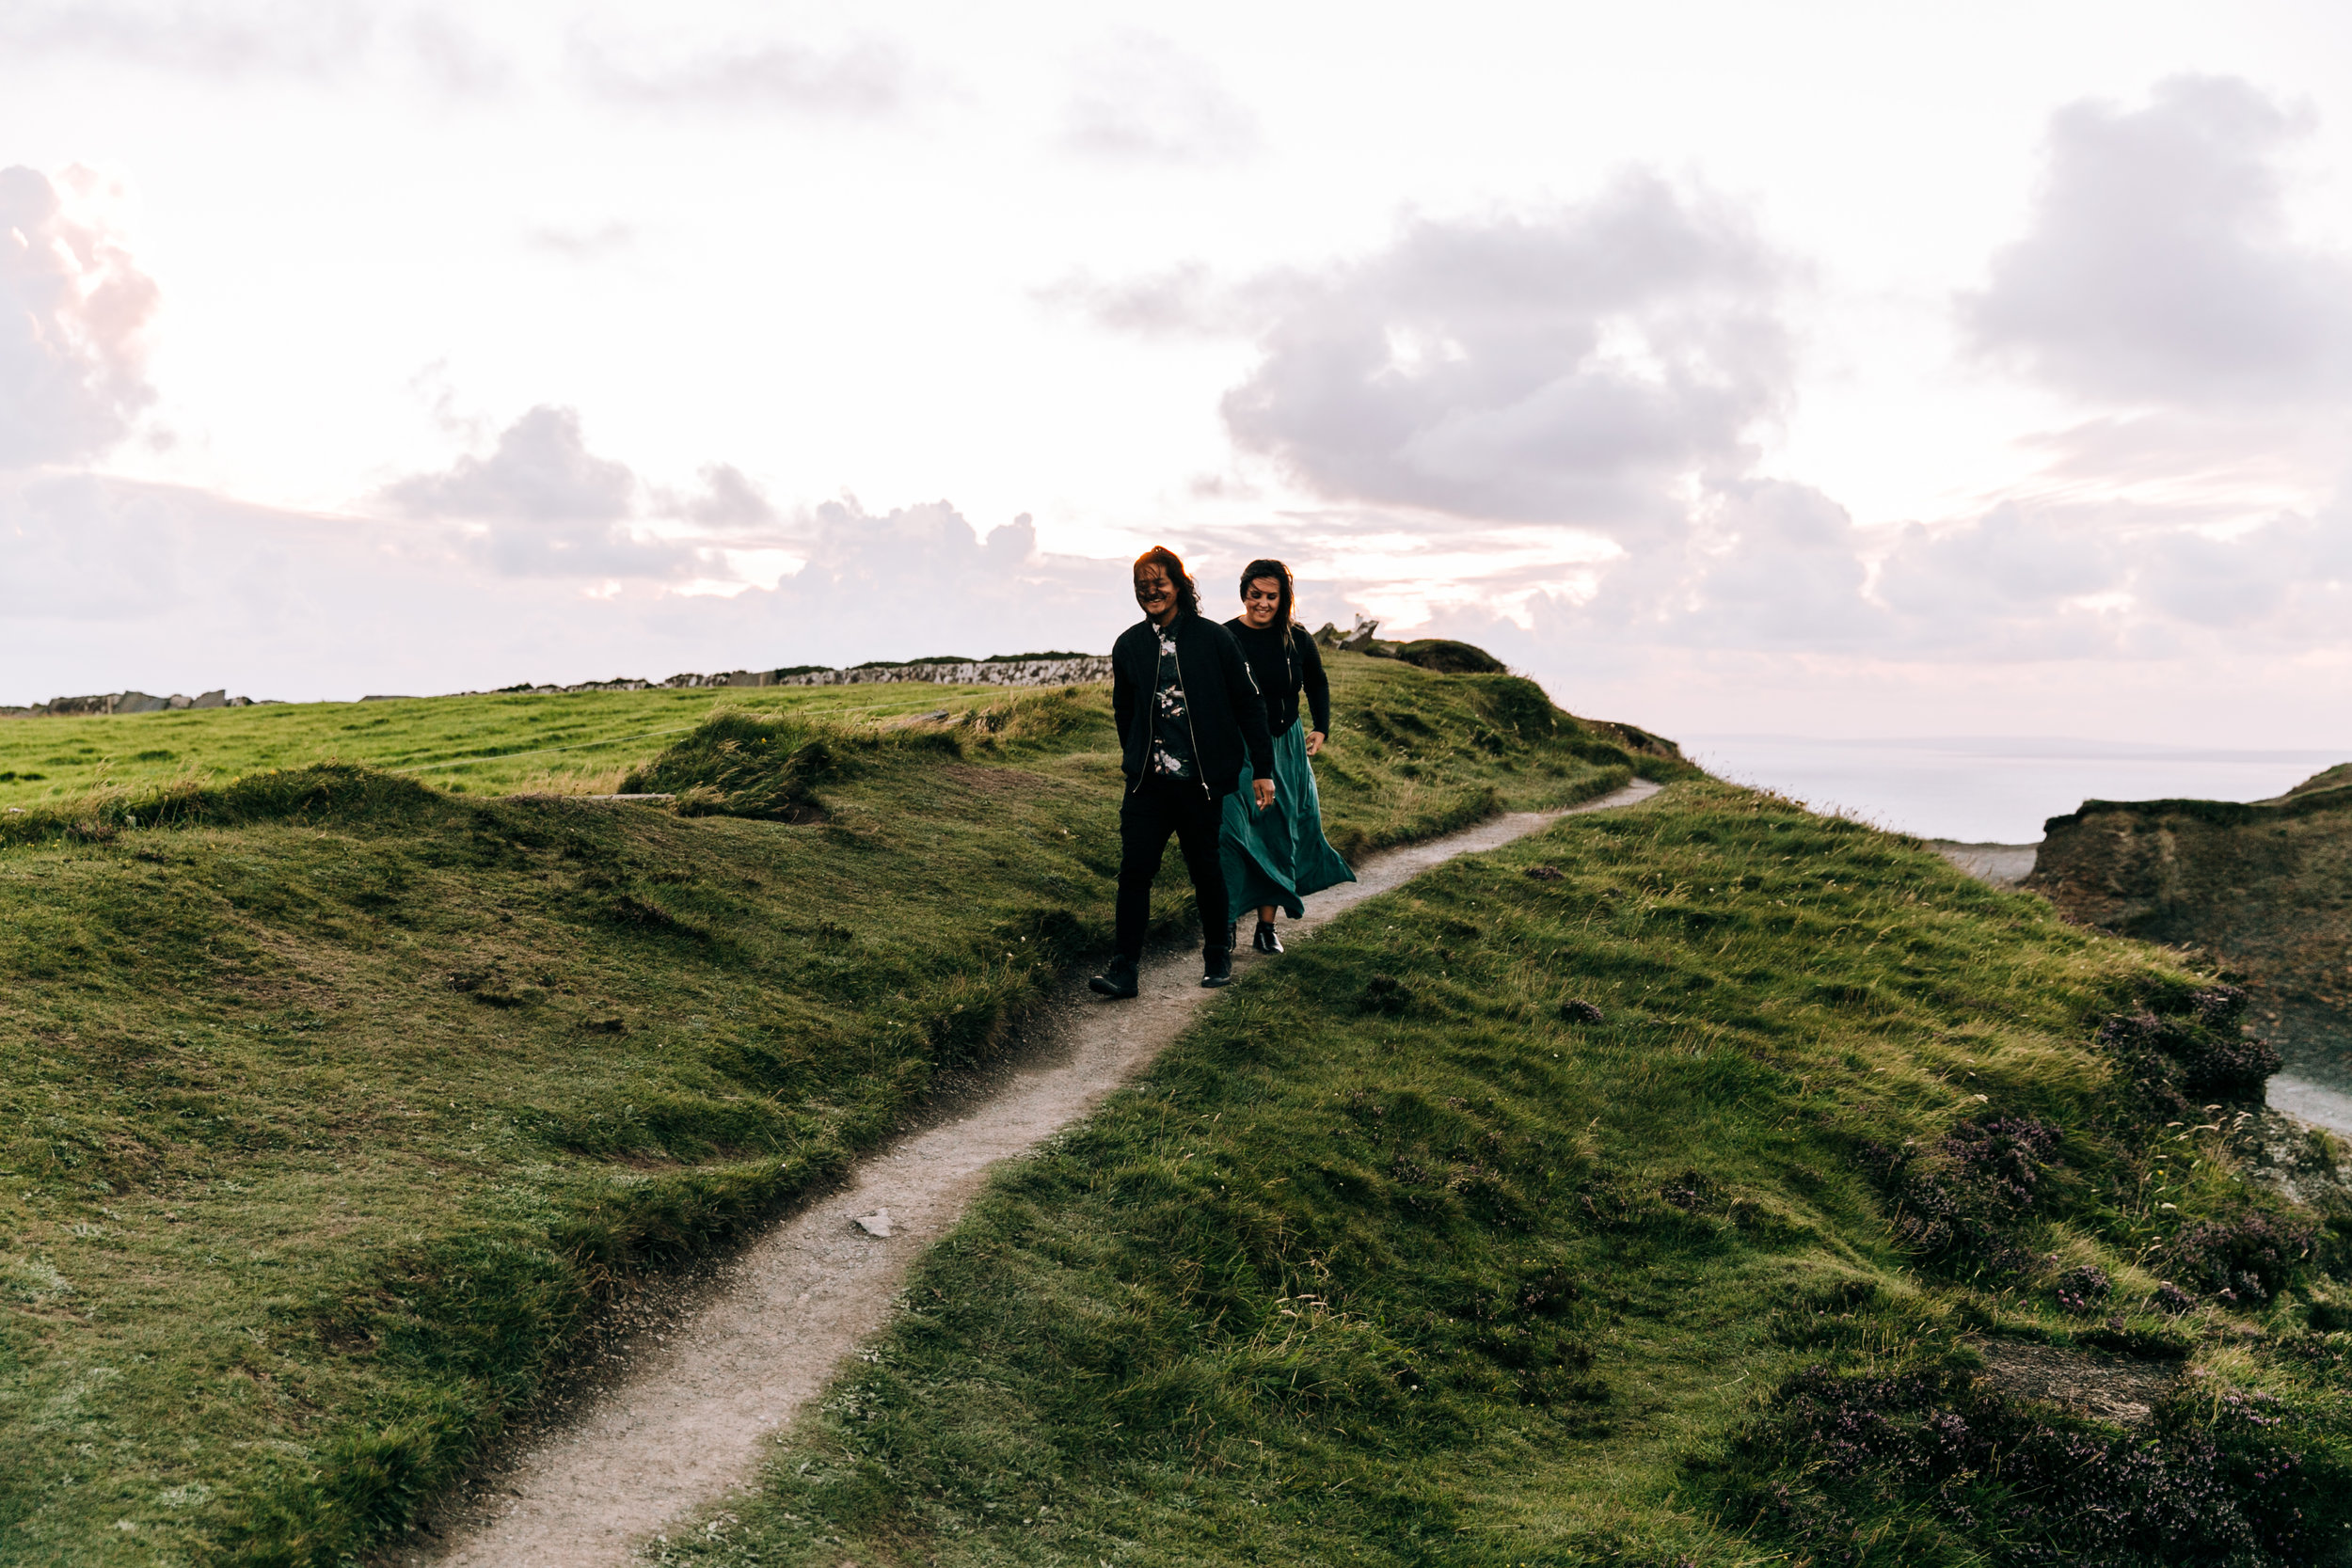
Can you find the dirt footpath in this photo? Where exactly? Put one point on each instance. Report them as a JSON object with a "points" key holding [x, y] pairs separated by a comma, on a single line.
{"points": [[684, 1426]]}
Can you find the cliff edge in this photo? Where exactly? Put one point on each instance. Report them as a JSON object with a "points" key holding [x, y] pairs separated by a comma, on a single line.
{"points": [[2265, 886]]}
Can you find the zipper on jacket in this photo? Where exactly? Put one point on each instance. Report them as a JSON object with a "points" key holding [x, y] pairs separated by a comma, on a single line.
{"points": [[1178, 653]]}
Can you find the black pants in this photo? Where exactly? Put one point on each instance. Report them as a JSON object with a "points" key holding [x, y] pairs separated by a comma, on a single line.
{"points": [[1153, 810]]}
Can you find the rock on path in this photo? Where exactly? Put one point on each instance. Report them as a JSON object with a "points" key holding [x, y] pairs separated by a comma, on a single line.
{"points": [[2002, 865], [686, 1424]]}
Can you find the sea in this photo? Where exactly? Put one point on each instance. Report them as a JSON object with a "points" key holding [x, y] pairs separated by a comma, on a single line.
{"points": [[1993, 789]]}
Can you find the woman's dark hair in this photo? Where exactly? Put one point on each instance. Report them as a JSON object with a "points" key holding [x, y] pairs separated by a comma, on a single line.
{"points": [[1280, 574], [1187, 596]]}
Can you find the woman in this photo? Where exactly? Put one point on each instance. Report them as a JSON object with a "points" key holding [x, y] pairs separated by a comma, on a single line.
{"points": [[1275, 857]]}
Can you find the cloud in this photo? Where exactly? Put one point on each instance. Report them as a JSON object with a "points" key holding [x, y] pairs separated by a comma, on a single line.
{"points": [[313, 37], [541, 472], [583, 245], [1782, 568], [2217, 466], [873, 581], [454, 59], [1778, 568], [727, 500], [1578, 366], [2160, 265], [310, 41], [2013, 561], [1552, 418], [106, 582], [75, 307], [1140, 99], [546, 505], [863, 79], [2286, 582], [81, 547], [2017, 582], [1185, 300]]}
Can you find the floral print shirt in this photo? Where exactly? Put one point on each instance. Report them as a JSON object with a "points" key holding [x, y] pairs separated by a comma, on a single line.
{"points": [[1171, 731]]}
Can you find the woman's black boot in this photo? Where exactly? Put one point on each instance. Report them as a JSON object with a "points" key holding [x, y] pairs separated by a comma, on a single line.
{"points": [[1265, 941]]}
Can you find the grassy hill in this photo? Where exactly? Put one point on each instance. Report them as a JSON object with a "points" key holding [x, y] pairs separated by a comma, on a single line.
{"points": [[1706, 1183], [335, 1106], [493, 744]]}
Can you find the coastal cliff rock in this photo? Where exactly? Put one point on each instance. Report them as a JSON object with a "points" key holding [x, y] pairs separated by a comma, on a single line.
{"points": [[2267, 885], [2264, 887]]}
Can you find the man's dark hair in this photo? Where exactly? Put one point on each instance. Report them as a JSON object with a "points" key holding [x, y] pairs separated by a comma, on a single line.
{"points": [[1280, 574], [1187, 596]]}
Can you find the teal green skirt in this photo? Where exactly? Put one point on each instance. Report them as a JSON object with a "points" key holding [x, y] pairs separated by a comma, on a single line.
{"points": [[1277, 856]]}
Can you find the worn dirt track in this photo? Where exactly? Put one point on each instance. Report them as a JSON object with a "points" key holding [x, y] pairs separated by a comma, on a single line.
{"points": [[685, 1425]]}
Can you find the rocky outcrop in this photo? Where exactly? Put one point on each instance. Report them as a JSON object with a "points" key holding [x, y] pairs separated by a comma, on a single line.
{"points": [[2266, 885], [1441, 654], [125, 702], [2263, 888]]}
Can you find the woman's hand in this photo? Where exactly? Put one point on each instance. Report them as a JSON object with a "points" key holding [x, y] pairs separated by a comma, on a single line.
{"points": [[1265, 792], [1314, 742]]}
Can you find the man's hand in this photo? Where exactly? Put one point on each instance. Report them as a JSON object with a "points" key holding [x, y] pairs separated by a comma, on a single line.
{"points": [[1265, 792], [1314, 742]]}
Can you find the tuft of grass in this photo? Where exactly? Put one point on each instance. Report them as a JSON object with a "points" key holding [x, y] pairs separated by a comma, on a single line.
{"points": [[336, 1106], [1639, 1192]]}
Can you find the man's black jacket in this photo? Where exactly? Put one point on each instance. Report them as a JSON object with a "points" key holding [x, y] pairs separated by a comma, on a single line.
{"points": [[1228, 718]]}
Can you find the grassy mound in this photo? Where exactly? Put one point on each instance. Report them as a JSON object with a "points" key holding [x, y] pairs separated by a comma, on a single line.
{"points": [[1704, 1184], [334, 1107], [1449, 657]]}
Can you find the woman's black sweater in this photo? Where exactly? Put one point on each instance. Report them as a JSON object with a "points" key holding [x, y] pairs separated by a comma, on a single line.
{"points": [[1283, 665]]}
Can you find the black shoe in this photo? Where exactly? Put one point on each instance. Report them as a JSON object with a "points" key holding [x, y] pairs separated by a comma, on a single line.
{"points": [[1233, 935], [1217, 967], [1117, 979], [1265, 941]]}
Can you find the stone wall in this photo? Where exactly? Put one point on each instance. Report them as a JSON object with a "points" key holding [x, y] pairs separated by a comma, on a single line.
{"points": [[1075, 671], [123, 701]]}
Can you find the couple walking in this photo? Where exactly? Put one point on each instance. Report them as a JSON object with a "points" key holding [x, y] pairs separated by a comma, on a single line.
{"points": [[1213, 749]]}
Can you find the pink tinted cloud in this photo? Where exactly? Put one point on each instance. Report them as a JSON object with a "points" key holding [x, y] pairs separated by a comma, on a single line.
{"points": [[75, 310]]}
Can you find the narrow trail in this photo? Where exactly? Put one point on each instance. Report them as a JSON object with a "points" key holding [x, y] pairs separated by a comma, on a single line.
{"points": [[684, 1426]]}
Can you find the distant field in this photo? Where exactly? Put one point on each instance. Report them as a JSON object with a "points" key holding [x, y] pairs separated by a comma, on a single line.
{"points": [[487, 745]]}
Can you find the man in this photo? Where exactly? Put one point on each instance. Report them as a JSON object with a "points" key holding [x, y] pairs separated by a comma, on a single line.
{"points": [[1187, 710]]}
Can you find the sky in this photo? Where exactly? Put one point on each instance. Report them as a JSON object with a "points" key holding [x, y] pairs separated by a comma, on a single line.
{"points": [[1869, 369]]}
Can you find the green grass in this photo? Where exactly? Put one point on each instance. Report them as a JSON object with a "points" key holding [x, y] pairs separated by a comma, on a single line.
{"points": [[569, 743], [333, 1105], [1395, 1260]]}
